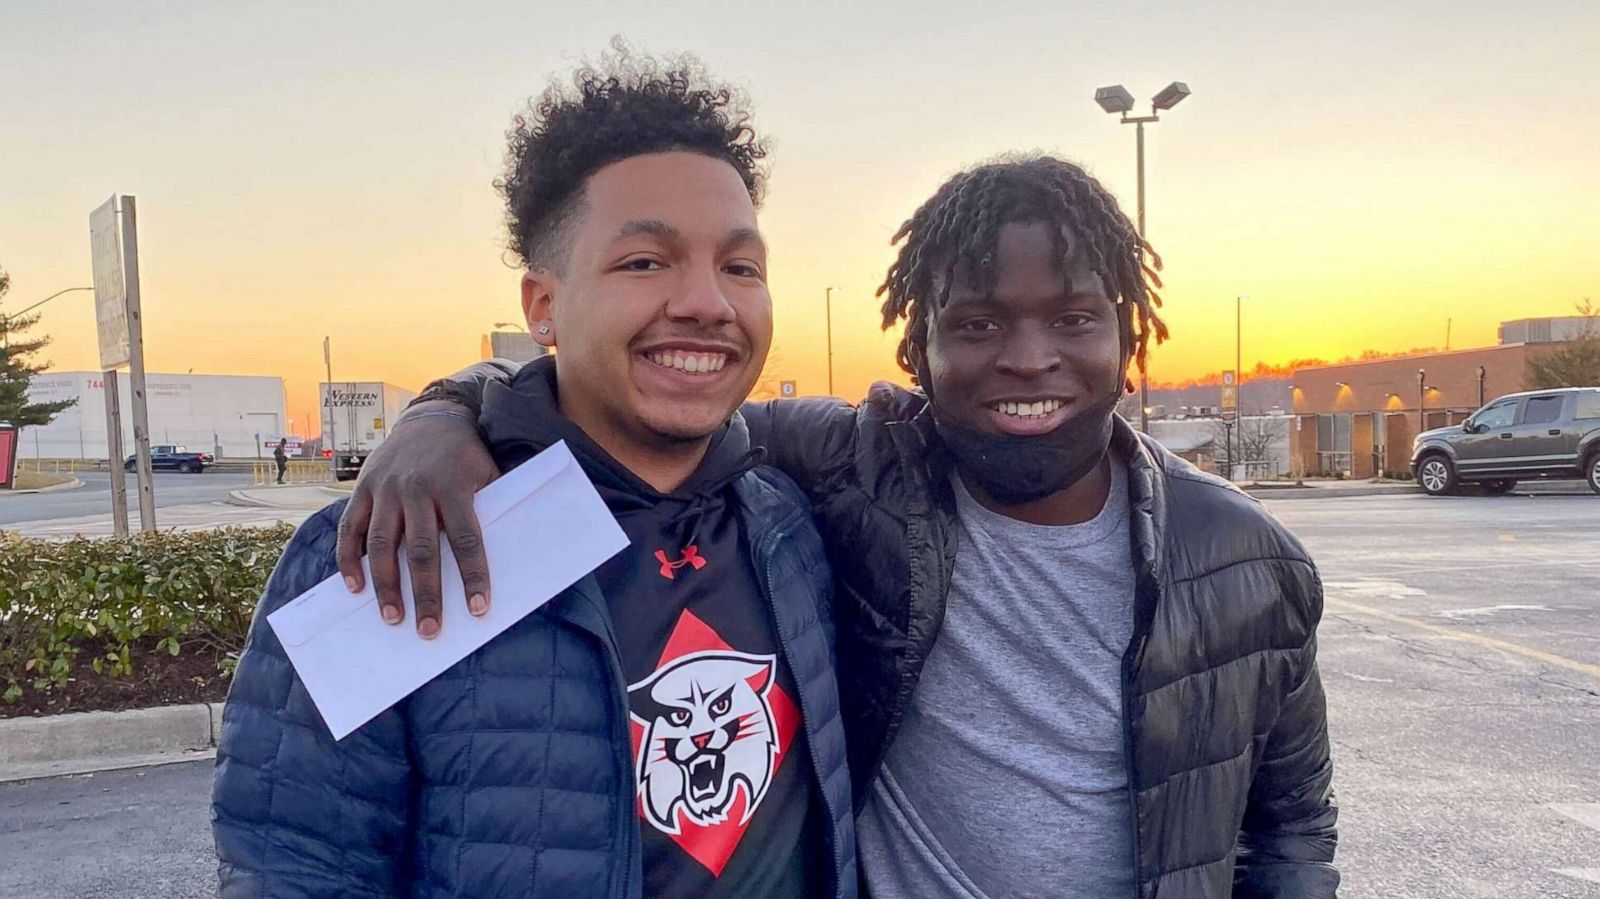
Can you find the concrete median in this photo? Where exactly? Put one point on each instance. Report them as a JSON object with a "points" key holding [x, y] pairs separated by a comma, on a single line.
{"points": [[101, 741]]}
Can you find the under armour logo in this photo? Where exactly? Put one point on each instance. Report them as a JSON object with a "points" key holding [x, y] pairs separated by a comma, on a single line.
{"points": [[691, 557]]}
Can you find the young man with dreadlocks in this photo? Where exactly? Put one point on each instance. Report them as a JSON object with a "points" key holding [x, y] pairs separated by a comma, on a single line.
{"points": [[1071, 664]]}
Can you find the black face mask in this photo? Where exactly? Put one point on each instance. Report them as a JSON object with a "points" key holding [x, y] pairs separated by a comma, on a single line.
{"points": [[1017, 470]]}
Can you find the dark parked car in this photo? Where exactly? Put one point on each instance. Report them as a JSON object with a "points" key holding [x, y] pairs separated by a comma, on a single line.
{"points": [[169, 457], [1540, 434]]}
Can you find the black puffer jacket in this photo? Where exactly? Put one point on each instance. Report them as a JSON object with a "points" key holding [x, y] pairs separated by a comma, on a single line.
{"points": [[1223, 706], [1226, 723]]}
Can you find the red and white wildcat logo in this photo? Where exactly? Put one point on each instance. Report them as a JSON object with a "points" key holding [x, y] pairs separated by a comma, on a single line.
{"points": [[711, 727], [708, 734]]}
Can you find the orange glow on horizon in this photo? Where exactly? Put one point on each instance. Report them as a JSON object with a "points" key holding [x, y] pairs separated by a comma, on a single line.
{"points": [[272, 215]]}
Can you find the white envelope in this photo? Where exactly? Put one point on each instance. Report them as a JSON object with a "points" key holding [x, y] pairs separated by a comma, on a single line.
{"points": [[544, 527]]}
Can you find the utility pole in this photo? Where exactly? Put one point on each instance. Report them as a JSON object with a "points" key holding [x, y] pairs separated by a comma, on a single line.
{"points": [[827, 302], [327, 402]]}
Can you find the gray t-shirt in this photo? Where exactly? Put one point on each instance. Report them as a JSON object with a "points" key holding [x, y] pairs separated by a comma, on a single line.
{"points": [[1008, 778]]}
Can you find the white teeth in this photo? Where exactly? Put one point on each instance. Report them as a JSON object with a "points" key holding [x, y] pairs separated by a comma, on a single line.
{"points": [[692, 363], [1028, 410]]}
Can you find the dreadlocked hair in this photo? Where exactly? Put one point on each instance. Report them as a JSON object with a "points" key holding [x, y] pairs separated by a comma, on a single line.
{"points": [[959, 225]]}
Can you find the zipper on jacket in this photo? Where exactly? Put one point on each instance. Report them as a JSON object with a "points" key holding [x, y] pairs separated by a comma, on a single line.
{"points": [[1127, 758], [927, 512], [628, 826], [769, 549], [1135, 649]]}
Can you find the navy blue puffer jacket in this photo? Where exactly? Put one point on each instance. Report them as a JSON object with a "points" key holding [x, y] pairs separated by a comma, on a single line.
{"points": [[507, 776]]}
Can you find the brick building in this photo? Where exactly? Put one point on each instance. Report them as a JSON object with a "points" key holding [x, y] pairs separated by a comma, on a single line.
{"points": [[1359, 418]]}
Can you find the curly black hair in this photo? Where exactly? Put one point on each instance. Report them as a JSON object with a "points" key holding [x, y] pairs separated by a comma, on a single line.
{"points": [[959, 224], [626, 105]]}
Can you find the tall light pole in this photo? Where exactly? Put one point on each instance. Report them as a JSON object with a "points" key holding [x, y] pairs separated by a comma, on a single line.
{"points": [[827, 302], [6, 319], [1116, 100], [1238, 371]]}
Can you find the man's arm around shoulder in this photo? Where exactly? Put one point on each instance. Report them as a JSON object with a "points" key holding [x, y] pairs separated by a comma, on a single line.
{"points": [[812, 440], [1287, 841], [293, 812]]}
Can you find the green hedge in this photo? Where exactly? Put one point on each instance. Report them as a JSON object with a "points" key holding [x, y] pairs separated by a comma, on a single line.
{"points": [[69, 607]]}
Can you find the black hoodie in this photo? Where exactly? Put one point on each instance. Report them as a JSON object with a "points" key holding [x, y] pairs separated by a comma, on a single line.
{"points": [[709, 687]]}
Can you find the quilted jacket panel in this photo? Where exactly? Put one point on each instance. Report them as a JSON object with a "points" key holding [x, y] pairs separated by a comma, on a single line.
{"points": [[507, 776]]}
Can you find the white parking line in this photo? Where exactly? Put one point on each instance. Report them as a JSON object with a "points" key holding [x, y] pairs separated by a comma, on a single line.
{"points": [[1587, 814], [1372, 588], [1482, 611]]}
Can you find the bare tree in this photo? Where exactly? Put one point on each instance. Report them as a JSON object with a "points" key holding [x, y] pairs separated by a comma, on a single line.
{"points": [[1253, 436], [768, 384], [1575, 365]]}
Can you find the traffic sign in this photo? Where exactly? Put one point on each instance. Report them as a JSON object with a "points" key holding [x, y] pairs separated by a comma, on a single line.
{"points": [[1230, 395], [110, 286]]}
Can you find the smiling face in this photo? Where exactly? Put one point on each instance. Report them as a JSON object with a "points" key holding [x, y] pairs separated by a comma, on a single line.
{"points": [[661, 314], [1023, 358]]}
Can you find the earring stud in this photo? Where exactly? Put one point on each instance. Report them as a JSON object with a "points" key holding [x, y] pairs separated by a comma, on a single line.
{"points": [[544, 329]]}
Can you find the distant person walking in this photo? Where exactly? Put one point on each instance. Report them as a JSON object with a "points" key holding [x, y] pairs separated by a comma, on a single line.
{"points": [[281, 456]]}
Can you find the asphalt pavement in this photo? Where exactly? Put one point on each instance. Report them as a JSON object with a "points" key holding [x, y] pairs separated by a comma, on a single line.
{"points": [[94, 497], [1460, 651], [138, 834]]}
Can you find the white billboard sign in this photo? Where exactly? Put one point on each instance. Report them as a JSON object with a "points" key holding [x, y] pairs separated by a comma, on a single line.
{"points": [[110, 289]]}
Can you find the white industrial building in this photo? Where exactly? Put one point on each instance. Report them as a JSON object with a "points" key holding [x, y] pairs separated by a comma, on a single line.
{"points": [[232, 416]]}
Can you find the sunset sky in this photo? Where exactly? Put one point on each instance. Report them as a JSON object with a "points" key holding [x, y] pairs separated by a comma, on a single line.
{"points": [[1363, 171]]}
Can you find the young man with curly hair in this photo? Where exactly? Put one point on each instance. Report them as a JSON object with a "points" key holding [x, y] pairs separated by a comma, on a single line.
{"points": [[668, 726], [1071, 663]]}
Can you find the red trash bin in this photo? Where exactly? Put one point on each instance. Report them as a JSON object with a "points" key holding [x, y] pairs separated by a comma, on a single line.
{"points": [[8, 457]]}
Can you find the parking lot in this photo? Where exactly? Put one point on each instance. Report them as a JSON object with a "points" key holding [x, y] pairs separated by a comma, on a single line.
{"points": [[1460, 650], [1461, 655]]}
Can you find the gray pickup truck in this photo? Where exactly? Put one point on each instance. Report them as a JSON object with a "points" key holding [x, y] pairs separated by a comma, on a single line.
{"points": [[1541, 434]]}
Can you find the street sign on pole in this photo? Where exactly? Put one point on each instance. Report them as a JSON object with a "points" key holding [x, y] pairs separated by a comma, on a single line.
{"points": [[110, 289], [1230, 396], [111, 321], [114, 247], [141, 408]]}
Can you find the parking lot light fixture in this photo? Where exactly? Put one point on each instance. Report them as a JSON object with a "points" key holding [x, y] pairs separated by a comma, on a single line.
{"points": [[1170, 96], [1114, 99], [1117, 100]]}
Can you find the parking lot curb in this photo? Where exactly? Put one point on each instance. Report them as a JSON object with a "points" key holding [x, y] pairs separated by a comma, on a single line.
{"points": [[83, 742], [297, 497], [1276, 493], [53, 488]]}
